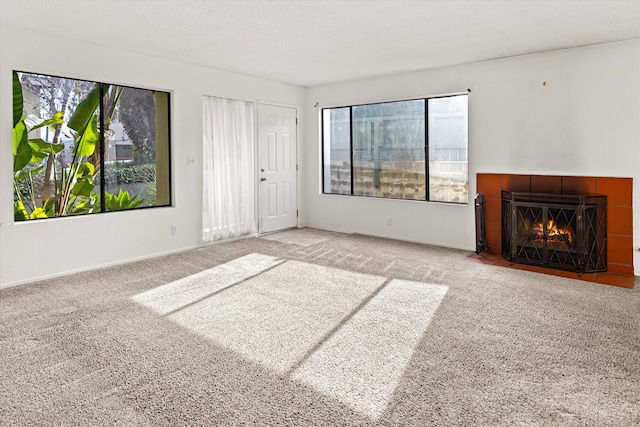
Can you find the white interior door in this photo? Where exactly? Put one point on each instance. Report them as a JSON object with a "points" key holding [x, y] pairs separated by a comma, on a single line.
{"points": [[277, 145]]}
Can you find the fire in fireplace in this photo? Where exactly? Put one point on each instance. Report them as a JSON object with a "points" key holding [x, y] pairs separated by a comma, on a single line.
{"points": [[552, 233], [566, 232]]}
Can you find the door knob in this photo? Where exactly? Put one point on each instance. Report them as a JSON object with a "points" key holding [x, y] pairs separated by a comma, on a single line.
{"points": [[263, 179]]}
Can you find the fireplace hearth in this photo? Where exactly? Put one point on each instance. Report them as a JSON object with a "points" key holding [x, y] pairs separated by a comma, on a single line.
{"points": [[566, 232]]}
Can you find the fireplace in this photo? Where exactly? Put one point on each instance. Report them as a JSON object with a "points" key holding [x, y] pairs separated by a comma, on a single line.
{"points": [[565, 232]]}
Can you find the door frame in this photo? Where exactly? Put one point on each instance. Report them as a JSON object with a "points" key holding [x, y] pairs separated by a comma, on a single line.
{"points": [[257, 154]]}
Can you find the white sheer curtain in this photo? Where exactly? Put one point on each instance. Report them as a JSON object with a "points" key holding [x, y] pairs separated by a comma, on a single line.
{"points": [[228, 204]]}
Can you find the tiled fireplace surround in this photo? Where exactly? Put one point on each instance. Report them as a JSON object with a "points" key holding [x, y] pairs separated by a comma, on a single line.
{"points": [[619, 219]]}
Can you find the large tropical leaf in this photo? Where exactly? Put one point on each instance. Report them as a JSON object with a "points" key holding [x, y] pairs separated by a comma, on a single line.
{"points": [[17, 99], [38, 156], [82, 206], [22, 151], [19, 136], [84, 113], [50, 204], [38, 213], [24, 174], [19, 212], [38, 144], [85, 169], [57, 119], [83, 187], [87, 140]]}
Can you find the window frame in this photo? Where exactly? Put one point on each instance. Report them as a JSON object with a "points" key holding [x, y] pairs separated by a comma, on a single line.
{"points": [[426, 148], [101, 188]]}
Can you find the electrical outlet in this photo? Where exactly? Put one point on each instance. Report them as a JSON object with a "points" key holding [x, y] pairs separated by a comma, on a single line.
{"points": [[174, 230], [389, 222], [191, 160]]}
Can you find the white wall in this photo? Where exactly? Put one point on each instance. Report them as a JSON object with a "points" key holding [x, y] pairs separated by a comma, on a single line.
{"points": [[39, 249], [588, 116], [584, 121]]}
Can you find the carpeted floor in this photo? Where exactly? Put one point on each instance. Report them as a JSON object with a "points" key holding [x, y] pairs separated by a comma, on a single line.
{"points": [[313, 328]]}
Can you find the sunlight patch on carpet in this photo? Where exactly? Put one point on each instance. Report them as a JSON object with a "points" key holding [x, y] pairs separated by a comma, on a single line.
{"points": [[175, 295], [348, 335], [277, 317], [362, 363], [301, 237]]}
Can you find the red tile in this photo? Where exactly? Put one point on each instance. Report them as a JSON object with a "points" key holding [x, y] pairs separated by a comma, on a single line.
{"points": [[536, 269], [625, 280], [493, 234], [620, 220], [490, 256], [503, 262], [619, 268], [587, 277], [546, 184], [616, 279], [483, 258], [517, 183], [493, 209], [489, 184], [620, 249], [480, 260], [619, 191], [581, 185]]}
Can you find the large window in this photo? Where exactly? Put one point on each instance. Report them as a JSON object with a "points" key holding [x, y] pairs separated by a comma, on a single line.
{"points": [[84, 147], [414, 149]]}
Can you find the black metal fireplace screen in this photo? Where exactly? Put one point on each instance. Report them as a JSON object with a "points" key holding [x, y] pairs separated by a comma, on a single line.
{"points": [[566, 232]]}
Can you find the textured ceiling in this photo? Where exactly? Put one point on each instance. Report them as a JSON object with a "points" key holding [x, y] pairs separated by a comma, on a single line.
{"points": [[313, 42]]}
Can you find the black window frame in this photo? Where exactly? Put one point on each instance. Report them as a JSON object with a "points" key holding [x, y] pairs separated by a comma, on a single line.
{"points": [[426, 147], [101, 145]]}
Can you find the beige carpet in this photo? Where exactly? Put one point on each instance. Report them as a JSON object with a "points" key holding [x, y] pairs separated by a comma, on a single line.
{"points": [[307, 327]]}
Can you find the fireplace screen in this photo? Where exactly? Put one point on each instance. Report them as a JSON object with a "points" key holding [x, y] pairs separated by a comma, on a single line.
{"points": [[565, 232]]}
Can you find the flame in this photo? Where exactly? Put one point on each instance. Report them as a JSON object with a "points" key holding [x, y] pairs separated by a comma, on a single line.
{"points": [[554, 232]]}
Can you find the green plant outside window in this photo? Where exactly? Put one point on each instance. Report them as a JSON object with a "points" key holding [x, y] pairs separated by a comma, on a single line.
{"points": [[83, 147]]}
